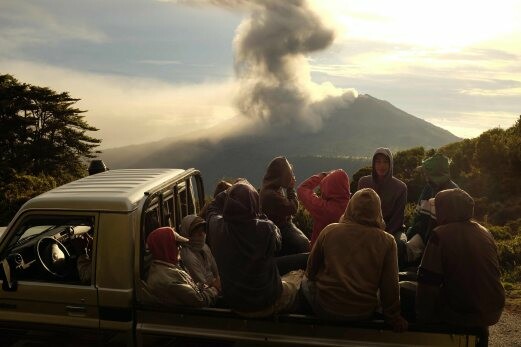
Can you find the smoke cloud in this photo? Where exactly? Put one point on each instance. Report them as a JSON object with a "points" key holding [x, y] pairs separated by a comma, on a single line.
{"points": [[271, 63]]}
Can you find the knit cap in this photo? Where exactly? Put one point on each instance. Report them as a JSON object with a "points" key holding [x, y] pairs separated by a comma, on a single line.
{"points": [[437, 169]]}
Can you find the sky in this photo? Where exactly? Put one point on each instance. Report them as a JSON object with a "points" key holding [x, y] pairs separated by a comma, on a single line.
{"points": [[146, 70]]}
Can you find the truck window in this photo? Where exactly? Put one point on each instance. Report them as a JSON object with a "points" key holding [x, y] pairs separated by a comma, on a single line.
{"points": [[53, 248]]}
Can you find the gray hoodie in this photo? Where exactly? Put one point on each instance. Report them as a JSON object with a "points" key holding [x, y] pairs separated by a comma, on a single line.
{"points": [[392, 193]]}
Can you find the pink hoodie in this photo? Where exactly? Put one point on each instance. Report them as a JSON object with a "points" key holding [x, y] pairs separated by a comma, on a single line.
{"points": [[332, 202]]}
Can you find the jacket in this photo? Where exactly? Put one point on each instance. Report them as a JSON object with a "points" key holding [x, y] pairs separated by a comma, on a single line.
{"points": [[171, 285], [354, 260], [244, 246], [277, 200], [332, 202], [392, 193], [461, 260]]}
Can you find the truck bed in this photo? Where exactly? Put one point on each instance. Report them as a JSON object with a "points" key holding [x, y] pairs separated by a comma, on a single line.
{"points": [[297, 329]]}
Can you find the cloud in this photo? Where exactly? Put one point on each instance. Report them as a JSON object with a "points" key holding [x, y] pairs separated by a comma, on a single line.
{"points": [[131, 110], [160, 62], [472, 124], [40, 27], [271, 47]]}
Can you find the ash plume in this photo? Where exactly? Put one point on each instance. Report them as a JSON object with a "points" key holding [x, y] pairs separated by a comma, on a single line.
{"points": [[271, 48]]}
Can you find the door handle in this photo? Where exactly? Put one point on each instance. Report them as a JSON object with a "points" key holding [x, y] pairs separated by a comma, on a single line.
{"points": [[74, 310], [7, 306]]}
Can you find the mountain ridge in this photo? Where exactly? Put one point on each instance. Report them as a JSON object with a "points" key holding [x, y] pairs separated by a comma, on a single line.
{"points": [[346, 134]]}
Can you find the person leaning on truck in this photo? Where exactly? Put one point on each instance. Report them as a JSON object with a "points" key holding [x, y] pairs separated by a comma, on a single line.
{"points": [[351, 262], [167, 280], [196, 256], [459, 276], [244, 245]]}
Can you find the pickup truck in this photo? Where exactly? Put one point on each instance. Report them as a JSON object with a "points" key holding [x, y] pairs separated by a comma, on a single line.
{"points": [[43, 301]]}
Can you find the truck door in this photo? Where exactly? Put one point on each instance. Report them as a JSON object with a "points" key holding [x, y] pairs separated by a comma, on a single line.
{"points": [[52, 299]]}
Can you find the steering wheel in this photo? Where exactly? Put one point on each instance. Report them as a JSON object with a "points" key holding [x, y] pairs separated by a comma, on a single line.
{"points": [[54, 257]]}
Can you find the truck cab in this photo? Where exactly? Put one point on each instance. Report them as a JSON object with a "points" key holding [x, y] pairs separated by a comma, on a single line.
{"points": [[46, 301]]}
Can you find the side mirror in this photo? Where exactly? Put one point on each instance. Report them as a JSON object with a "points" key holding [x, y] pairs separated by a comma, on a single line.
{"points": [[9, 283]]}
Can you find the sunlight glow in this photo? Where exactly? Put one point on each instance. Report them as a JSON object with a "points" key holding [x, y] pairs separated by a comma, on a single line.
{"points": [[441, 23]]}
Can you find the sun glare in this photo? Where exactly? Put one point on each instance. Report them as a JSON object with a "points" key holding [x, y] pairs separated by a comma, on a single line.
{"points": [[438, 24]]}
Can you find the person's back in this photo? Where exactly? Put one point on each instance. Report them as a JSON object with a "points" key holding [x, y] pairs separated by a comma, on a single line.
{"points": [[332, 202], [244, 246], [278, 200], [461, 261], [352, 261]]}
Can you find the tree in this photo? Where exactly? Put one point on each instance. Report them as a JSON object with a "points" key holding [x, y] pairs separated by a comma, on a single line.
{"points": [[43, 142], [41, 133]]}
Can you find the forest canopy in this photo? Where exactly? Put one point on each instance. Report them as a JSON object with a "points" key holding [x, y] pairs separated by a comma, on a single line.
{"points": [[44, 142]]}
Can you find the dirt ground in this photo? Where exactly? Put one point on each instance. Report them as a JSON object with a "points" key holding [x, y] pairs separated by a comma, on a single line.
{"points": [[507, 332]]}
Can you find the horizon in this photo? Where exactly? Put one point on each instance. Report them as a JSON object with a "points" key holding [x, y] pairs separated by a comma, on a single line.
{"points": [[151, 71]]}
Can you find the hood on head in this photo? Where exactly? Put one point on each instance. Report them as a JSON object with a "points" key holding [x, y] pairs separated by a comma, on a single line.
{"points": [[221, 187], [162, 244], [436, 168], [241, 203], [387, 152], [335, 185], [453, 205], [364, 208], [189, 223], [278, 174]]}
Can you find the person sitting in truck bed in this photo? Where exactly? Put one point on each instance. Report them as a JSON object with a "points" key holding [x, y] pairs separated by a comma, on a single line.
{"points": [[393, 195], [459, 276], [220, 187], [167, 280], [244, 246], [351, 262], [332, 202], [278, 201], [437, 174], [196, 256]]}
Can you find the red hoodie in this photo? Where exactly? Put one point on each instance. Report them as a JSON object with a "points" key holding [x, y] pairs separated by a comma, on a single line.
{"points": [[332, 203]]}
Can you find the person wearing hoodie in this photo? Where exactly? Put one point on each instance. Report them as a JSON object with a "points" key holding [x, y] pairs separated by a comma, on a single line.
{"points": [[393, 195], [353, 267], [437, 174], [220, 187], [244, 246], [459, 276], [278, 200], [196, 256], [167, 281], [332, 202]]}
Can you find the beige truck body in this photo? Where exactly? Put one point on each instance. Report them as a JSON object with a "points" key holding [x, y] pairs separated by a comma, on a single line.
{"points": [[42, 302]]}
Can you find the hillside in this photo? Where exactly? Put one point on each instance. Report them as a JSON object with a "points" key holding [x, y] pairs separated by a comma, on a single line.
{"points": [[347, 134]]}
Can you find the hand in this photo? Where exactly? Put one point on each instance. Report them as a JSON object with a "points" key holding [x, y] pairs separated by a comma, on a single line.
{"points": [[81, 244], [292, 182], [217, 284], [399, 324]]}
